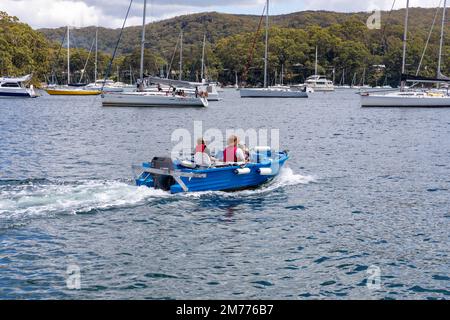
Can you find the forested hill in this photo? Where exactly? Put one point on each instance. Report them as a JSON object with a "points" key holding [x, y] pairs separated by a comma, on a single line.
{"points": [[345, 45], [162, 35]]}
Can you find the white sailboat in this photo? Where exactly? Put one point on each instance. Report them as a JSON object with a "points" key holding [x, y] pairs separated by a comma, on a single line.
{"points": [[272, 92], [142, 98], [16, 88], [106, 85], [412, 98]]}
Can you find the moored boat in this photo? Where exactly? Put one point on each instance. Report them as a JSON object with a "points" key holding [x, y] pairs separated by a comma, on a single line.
{"points": [[409, 96], [405, 99], [186, 176], [16, 88], [266, 91], [105, 86], [151, 99], [67, 91], [71, 89], [319, 83], [272, 93]]}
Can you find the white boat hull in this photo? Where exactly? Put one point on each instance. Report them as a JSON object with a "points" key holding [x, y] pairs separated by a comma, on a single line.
{"points": [[271, 93], [321, 88], [139, 99], [105, 88], [377, 100], [17, 93]]}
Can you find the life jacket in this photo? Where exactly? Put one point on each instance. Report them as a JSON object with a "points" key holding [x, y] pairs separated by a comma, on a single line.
{"points": [[229, 154], [200, 148]]}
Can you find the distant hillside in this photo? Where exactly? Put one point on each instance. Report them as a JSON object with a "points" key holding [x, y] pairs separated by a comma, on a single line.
{"points": [[347, 49], [162, 35]]}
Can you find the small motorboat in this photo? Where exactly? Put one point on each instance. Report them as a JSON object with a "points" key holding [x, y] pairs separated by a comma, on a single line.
{"points": [[198, 175]]}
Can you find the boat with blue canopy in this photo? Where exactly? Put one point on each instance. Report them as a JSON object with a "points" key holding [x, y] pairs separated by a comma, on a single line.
{"points": [[194, 175]]}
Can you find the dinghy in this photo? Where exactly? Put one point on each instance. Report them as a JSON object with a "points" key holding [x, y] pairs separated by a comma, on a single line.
{"points": [[199, 175]]}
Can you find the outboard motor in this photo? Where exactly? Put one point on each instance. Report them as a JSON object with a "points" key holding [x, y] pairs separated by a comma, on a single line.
{"points": [[162, 181]]}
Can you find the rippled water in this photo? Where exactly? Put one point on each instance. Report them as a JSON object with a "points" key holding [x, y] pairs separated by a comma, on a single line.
{"points": [[363, 187]]}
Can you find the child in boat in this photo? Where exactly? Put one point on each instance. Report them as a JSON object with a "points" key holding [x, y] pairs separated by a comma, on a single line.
{"points": [[233, 153], [202, 147]]}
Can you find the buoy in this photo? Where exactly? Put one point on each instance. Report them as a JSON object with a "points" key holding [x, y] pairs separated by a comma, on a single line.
{"points": [[242, 171], [265, 171]]}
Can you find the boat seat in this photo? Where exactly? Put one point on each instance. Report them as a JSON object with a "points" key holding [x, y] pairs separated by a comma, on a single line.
{"points": [[187, 164], [202, 159]]}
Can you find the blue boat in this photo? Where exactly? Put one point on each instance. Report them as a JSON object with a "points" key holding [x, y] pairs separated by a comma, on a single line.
{"points": [[186, 176]]}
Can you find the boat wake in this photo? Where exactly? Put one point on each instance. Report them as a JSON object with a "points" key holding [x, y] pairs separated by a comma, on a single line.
{"points": [[24, 199], [36, 197]]}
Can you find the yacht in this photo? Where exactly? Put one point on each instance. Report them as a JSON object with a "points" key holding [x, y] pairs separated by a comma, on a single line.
{"points": [[319, 83], [270, 92], [15, 87], [411, 97], [159, 98]]}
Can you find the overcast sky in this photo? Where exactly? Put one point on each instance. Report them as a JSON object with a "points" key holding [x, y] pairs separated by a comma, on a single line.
{"points": [[110, 13]]}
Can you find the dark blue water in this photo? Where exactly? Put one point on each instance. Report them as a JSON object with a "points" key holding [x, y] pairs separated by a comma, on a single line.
{"points": [[364, 189]]}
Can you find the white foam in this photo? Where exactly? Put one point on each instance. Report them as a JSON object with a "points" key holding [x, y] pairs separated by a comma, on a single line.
{"points": [[26, 200], [71, 198], [286, 178]]}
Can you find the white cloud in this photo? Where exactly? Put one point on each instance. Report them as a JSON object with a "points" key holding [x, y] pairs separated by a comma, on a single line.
{"points": [[110, 13]]}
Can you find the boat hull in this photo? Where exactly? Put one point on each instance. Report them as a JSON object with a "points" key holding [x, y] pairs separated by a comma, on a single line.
{"points": [[271, 93], [105, 89], [68, 92], [223, 178], [16, 94], [151, 100], [322, 88], [404, 101]]}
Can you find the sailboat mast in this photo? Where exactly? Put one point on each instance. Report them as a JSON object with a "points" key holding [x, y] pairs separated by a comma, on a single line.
{"points": [[267, 44], [181, 55], [68, 55], [96, 56], [405, 39], [141, 74], [203, 58], [364, 77], [315, 66], [442, 40], [131, 76]]}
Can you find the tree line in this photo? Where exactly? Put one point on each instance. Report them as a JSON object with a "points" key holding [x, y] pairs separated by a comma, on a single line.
{"points": [[347, 49]]}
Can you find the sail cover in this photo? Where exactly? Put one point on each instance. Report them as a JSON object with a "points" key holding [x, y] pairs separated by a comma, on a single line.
{"points": [[171, 82], [413, 78]]}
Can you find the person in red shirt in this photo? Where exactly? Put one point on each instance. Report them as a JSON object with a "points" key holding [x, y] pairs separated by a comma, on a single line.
{"points": [[232, 152], [202, 147]]}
